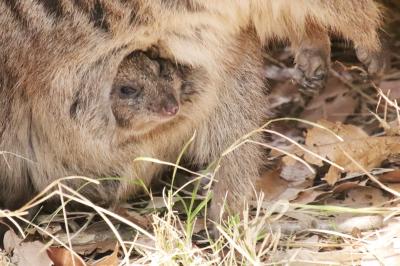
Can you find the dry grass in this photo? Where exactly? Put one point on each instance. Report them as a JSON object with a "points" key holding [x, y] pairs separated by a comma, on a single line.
{"points": [[270, 233]]}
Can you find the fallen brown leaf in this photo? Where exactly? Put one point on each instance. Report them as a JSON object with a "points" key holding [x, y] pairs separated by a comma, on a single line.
{"points": [[335, 103], [367, 151], [390, 177], [110, 260], [391, 85], [360, 223], [134, 217], [360, 197], [283, 93], [272, 185], [295, 171], [308, 196], [96, 237], [63, 257], [317, 136], [25, 253]]}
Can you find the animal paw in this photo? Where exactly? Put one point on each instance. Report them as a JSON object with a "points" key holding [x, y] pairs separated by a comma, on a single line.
{"points": [[313, 65], [375, 62]]}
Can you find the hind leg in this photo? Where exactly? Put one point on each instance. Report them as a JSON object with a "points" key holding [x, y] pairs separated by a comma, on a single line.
{"points": [[241, 108]]}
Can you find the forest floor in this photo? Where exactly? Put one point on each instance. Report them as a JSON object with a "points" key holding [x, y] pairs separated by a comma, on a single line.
{"points": [[330, 196]]}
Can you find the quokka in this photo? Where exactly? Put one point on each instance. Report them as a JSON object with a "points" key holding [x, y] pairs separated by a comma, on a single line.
{"points": [[61, 115]]}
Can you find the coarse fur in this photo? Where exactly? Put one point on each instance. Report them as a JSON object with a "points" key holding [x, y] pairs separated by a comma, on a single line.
{"points": [[58, 61]]}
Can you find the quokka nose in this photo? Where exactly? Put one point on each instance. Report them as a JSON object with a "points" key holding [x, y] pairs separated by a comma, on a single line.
{"points": [[169, 106], [170, 110]]}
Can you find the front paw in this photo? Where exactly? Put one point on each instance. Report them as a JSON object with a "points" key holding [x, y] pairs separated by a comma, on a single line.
{"points": [[313, 65], [375, 62]]}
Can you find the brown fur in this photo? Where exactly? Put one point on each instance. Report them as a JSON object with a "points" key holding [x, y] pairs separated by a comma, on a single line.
{"points": [[146, 93], [58, 60]]}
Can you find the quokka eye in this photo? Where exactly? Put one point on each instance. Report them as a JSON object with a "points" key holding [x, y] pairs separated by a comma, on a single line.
{"points": [[129, 92]]}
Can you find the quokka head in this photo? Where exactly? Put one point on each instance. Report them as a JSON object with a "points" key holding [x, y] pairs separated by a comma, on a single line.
{"points": [[146, 93]]}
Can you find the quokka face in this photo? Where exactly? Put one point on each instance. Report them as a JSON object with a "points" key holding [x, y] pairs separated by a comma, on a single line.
{"points": [[146, 93]]}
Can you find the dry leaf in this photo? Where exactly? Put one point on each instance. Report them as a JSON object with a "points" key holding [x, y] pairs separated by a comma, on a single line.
{"points": [[134, 217], [111, 260], [391, 177], [362, 223], [312, 195], [11, 240], [293, 193], [272, 185], [25, 253], [63, 257], [96, 237], [295, 171], [275, 188], [308, 196], [391, 85], [283, 93], [394, 186], [360, 197], [317, 136], [345, 187], [369, 152], [333, 104]]}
